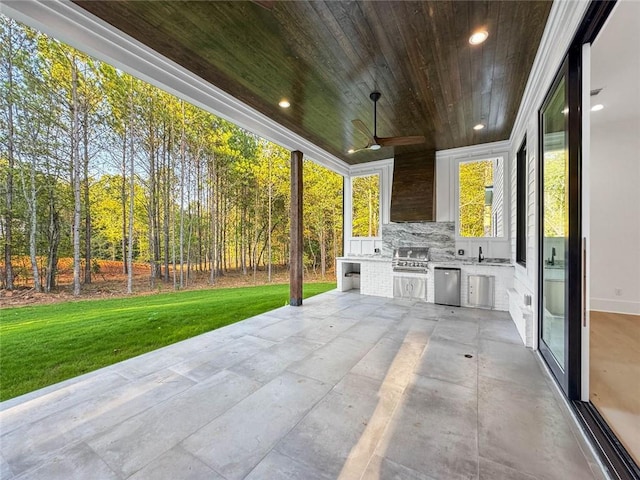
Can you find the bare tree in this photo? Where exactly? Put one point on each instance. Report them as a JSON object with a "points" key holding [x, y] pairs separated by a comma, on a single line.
{"points": [[75, 174], [9, 105], [132, 186]]}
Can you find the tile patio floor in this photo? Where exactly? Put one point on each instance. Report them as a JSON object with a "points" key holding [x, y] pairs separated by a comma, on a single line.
{"points": [[346, 386]]}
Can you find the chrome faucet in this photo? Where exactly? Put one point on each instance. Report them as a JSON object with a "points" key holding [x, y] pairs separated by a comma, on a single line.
{"points": [[480, 256], [553, 256]]}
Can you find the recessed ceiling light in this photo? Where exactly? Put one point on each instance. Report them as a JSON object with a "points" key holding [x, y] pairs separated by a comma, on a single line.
{"points": [[479, 126], [565, 110], [478, 37], [284, 103], [375, 146], [597, 107], [350, 151]]}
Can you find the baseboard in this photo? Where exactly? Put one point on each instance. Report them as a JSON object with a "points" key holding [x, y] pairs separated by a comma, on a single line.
{"points": [[615, 306]]}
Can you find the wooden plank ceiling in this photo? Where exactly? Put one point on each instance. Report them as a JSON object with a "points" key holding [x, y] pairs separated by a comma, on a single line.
{"points": [[327, 57]]}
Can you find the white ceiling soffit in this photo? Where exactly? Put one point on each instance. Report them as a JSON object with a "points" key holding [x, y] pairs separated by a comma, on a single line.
{"points": [[71, 24]]}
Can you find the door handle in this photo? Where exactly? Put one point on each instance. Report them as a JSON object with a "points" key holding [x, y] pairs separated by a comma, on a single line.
{"points": [[584, 281]]}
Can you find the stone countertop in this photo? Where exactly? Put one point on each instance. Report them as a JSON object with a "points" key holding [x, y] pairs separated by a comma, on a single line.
{"points": [[436, 263], [467, 262], [364, 258]]}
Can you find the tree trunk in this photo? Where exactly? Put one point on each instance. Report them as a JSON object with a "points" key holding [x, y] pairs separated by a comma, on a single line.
{"points": [[182, 168], [223, 219], [189, 230], [132, 185], [370, 214], [37, 285], [75, 177], [323, 252], [243, 236], [256, 236], [152, 207], [87, 205], [199, 211], [269, 227], [166, 208], [8, 213], [213, 195], [336, 241], [53, 242], [156, 218], [123, 199]]}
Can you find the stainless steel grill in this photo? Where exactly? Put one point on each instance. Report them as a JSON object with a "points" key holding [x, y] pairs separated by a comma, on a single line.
{"points": [[410, 260]]}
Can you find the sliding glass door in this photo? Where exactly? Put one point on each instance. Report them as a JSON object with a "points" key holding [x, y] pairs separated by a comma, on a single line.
{"points": [[555, 155], [558, 163]]}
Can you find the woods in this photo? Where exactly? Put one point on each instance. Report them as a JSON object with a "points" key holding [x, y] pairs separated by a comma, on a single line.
{"points": [[476, 214], [96, 164]]}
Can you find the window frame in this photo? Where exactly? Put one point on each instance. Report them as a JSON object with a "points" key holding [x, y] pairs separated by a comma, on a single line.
{"points": [[367, 245], [503, 157], [351, 203], [521, 204]]}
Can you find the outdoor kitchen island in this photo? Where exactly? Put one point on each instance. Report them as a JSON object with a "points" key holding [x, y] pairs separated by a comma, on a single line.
{"points": [[374, 275]]}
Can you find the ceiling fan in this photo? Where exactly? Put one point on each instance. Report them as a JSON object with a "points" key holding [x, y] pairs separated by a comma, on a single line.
{"points": [[376, 142]]}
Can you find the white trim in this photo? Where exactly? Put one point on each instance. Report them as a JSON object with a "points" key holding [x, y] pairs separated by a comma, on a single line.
{"points": [[384, 169], [563, 22], [615, 306], [367, 168], [476, 151], [473, 153], [71, 24], [506, 220]]}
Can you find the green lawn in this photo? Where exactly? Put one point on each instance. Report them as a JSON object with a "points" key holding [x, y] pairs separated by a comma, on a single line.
{"points": [[45, 344]]}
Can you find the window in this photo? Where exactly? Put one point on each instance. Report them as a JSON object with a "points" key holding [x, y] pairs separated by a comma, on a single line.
{"points": [[481, 196], [521, 205], [365, 194]]}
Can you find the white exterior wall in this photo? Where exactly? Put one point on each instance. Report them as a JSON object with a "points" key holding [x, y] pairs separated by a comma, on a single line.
{"points": [[564, 19]]}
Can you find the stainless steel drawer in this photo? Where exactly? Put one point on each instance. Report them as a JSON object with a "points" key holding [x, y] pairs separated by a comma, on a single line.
{"points": [[410, 287], [481, 291]]}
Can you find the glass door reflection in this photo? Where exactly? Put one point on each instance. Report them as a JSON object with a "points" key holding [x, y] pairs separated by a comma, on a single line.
{"points": [[554, 225]]}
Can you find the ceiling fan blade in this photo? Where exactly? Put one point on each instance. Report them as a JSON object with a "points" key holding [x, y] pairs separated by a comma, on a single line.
{"points": [[398, 141], [361, 149], [359, 124], [375, 142]]}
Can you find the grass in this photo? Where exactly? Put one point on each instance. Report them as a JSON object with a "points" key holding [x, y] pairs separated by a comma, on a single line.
{"points": [[43, 345]]}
